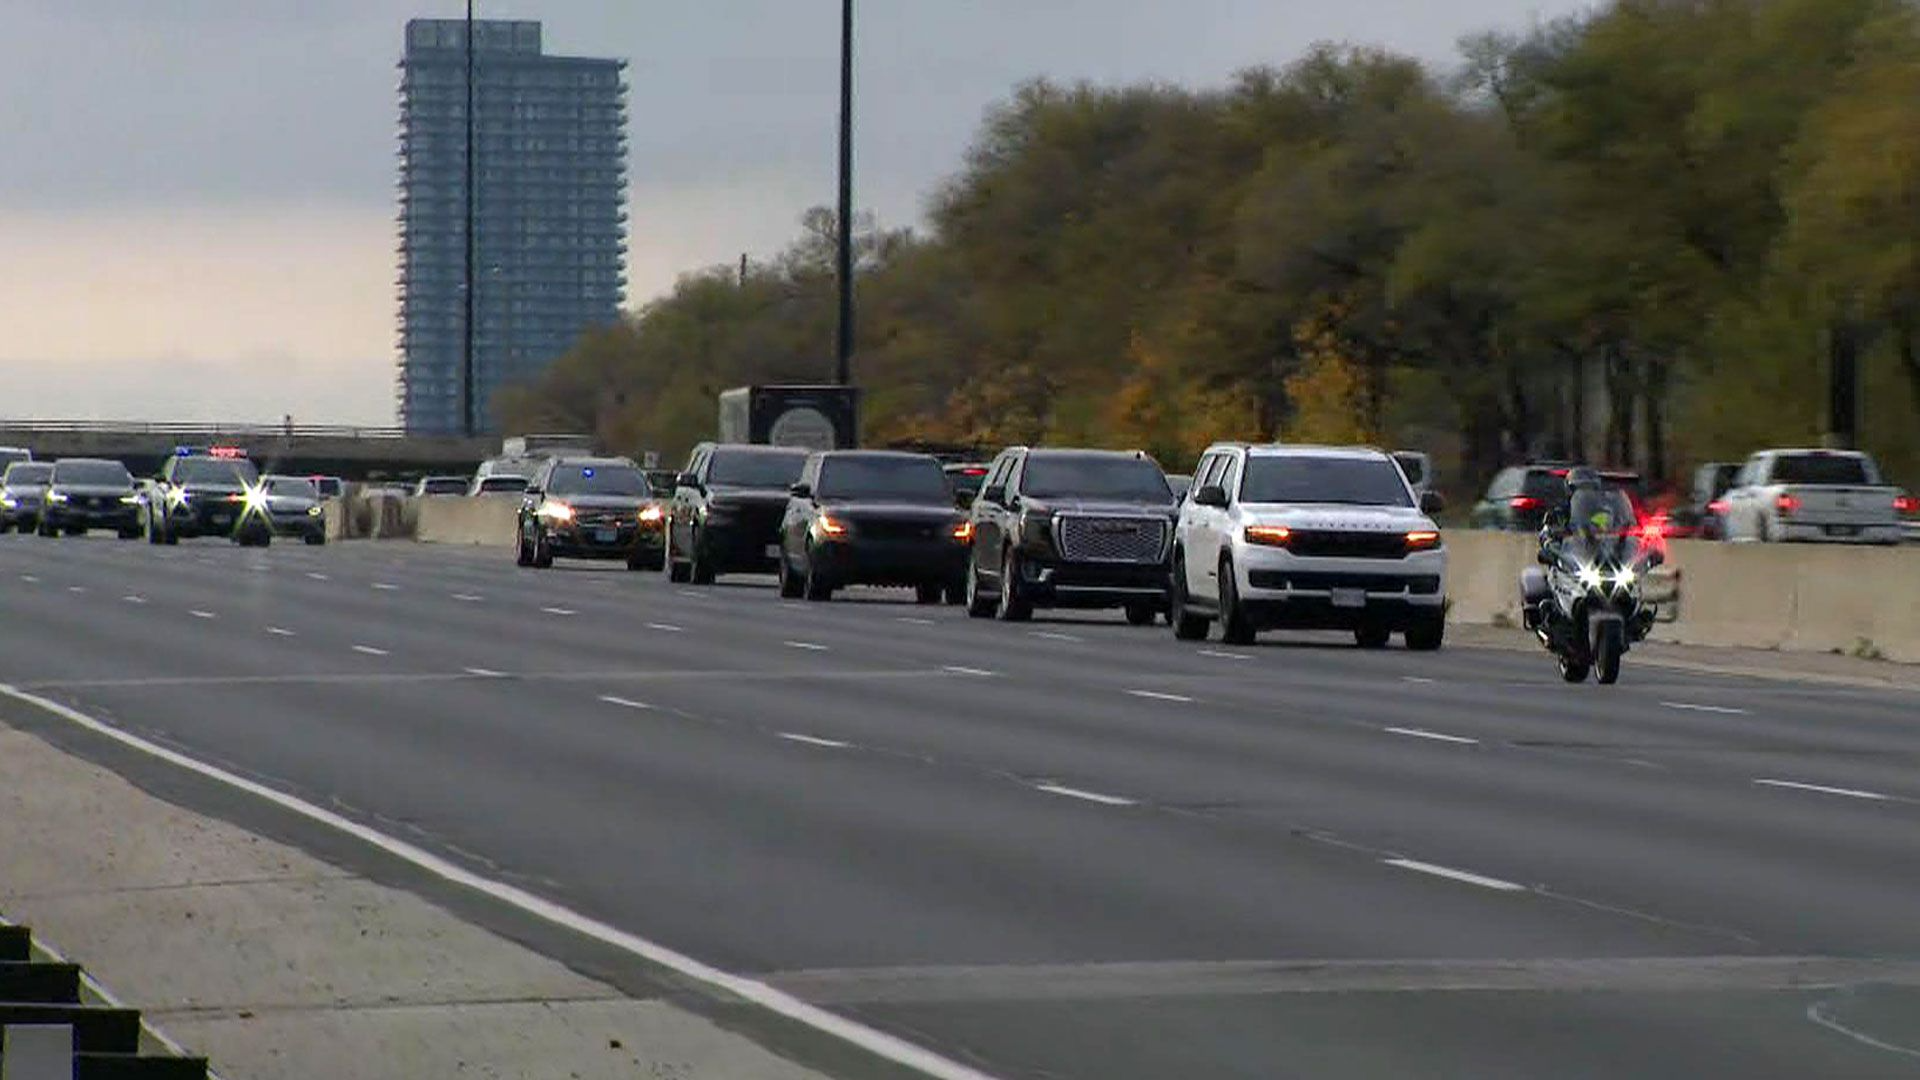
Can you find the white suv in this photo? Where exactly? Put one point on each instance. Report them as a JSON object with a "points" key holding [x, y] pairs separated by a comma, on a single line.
{"points": [[1308, 537]]}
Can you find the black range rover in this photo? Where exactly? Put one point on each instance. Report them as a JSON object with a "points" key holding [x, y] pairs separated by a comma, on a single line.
{"points": [[1071, 529], [727, 508]]}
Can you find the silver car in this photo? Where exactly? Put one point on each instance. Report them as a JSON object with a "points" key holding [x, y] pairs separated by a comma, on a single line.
{"points": [[295, 507]]}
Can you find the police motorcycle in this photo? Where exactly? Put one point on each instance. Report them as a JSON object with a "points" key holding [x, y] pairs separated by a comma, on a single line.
{"points": [[1584, 601]]}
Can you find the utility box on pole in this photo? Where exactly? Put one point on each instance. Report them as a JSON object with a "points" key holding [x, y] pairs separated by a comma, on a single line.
{"points": [[813, 417]]}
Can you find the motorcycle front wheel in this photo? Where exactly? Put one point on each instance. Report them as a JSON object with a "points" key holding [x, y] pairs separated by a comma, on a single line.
{"points": [[1607, 654]]}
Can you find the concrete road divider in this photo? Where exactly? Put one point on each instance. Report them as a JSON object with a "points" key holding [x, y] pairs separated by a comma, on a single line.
{"points": [[474, 522]]}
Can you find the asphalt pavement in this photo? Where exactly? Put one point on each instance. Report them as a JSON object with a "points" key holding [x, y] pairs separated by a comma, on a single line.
{"points": [[1063, 849]]}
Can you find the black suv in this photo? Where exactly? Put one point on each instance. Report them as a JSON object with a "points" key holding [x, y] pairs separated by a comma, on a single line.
{"points": [[1071, 529], [88, 493], [1520, 498], [727, 508], [873, 517], [590, 508], [209, 495]]}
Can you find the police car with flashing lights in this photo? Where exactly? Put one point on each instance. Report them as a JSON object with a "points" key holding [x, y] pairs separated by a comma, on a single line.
{"points": [[208, 491]]}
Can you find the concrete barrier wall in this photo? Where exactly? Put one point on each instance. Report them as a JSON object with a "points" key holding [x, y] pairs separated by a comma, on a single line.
{"points": [[1799, 597], [454, 520]]}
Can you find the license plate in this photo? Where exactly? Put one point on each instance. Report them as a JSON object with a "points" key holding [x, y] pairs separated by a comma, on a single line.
{"points": [[1843, 530], [773, 551], [1349, 598], [606, 536], [222, 519]]}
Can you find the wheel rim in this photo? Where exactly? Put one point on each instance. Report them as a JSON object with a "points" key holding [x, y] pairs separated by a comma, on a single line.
{"points": [[1006, 583]]}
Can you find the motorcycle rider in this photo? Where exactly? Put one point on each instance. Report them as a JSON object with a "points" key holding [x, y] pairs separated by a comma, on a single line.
{"points": [[1593, 511]]}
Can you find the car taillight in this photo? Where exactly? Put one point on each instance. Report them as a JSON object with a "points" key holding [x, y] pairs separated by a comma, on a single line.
{"points": [[1717, 506], [1787, 504], [1523, 503], [1658, 527], [963, 533], [1423, 540], [1906, 504], [1269, 535]]}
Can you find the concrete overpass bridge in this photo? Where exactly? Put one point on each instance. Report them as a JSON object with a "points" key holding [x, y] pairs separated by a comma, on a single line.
{"points": [[357, 453]]}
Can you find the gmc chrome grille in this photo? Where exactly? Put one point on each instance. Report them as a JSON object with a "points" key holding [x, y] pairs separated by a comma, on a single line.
{"points": [[1086, 538]]}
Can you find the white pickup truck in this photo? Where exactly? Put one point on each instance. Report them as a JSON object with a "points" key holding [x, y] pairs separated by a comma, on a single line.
{"points": [[1822, 496]]}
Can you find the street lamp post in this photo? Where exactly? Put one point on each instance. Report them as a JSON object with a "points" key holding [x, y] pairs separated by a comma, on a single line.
{"points": [[843, 363], [467, 425]]}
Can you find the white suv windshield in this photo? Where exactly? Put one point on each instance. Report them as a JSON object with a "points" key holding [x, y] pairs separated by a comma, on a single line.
{"points": [[1301, 478]]}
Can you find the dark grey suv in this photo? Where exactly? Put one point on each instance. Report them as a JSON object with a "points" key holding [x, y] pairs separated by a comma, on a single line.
{"points": [[1071, 529], [727, 508]]}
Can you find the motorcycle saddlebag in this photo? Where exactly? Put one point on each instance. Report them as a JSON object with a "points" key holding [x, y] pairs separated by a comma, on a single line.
{"points": [[1533, 586]]}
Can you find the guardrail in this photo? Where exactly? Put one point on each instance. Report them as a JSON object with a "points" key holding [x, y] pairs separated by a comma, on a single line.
{"points": [[217, 430], [54, 1025]]}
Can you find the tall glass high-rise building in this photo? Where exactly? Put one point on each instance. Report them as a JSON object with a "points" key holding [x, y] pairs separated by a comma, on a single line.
{"points": [[550, 157]]}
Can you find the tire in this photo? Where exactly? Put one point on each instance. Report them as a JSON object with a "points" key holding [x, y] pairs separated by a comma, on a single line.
{"points": [[45, 529], [817, 589], [1186, 625], [1372, 636], [957, 594], [699, 568], [154, 534], [1141, 614], [75, 530], [643, 561], [522, 551], [979, 604], [929, 594], [129, 534], [316, 539], [542, 552], [1235, 628], [1012, 607], [791, 587], [1573, 671], [1428, 635], [1607, 653]]}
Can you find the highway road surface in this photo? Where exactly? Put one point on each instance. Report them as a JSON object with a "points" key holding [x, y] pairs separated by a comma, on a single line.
{"points": [[1066, 849]]}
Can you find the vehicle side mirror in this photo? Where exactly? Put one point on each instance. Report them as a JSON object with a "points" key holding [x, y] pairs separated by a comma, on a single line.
{"points": [[801, 491], [1432, 502], [993, 494], [1211, 495]]}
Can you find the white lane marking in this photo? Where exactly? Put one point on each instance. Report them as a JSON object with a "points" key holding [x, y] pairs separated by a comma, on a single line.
{"points": [[831, 744], [1419, 733], [913, 621], [1721, 709], [890, 1047], [1218, 655], [1049, 635], [666, 628], [467, 598], [1456, 875], [807, 645], [280, 631], [318, 577], [198, 614], [1084, 795], [974, 671], [131, 599], [76, 588], [558, 611], [29, 579], [1817, 1012], [1155, 695], [1850, 793], [486, 673], [382, 586], [368, 650], [1417, 680], [691, 594], [626, 703]]}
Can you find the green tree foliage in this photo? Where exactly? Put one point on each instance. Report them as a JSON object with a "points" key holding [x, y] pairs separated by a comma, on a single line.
{"points": [[1624, 236]]}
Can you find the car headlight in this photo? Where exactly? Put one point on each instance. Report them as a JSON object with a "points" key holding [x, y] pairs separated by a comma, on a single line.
{"points": [[56, 496], [828, 527], [556, 511], [9, 501], [962, 533], [652, 515], [129, 500], [314, 511]]}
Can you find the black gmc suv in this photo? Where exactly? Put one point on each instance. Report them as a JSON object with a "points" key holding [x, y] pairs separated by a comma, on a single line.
{"points": [[727, 508], [1071, 529]]}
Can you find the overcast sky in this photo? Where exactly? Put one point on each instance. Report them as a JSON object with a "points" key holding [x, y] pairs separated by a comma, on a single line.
{"points": [[197, 196]]}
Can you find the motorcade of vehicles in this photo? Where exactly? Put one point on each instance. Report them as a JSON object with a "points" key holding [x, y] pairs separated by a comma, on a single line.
{"points": [[294, 507], [1308, 538], [498, 485], [727, 508], [1813, 496], [90, 493], [590, 508], [211, 491], [433, 486], [23, 491], [873, 517], [1059, 528], [1585, 601]]}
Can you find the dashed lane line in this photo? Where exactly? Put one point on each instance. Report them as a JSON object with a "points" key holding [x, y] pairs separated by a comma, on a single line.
{"points": [[814, 740], [1722, 710], [1822, 789], [1462, 876], [974, 672], [626, 703], [666, 628], [1083, 795], [1155, 695], [1434, 736], [809, 646], [198, 614], [369, 650], [281, 631]]}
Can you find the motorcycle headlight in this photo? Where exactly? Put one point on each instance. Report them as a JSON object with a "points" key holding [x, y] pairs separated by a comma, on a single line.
{"points": [[1591, 577], [1626, 578]]}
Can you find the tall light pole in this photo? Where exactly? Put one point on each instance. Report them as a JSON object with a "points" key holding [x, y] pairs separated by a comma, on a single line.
{"points": [[467, 425], [843, 362]]}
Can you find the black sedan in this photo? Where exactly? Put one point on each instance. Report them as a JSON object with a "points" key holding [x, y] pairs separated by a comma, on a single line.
{"points": [[590, 508], [873, 517]]}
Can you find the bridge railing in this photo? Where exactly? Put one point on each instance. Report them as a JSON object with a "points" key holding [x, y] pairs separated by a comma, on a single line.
{"points": [[206, 431]]}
